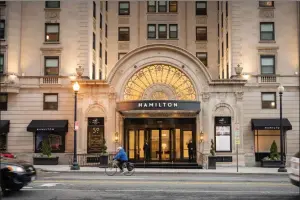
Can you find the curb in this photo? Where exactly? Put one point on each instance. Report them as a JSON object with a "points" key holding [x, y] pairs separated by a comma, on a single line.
{"points": [[159, 172]]}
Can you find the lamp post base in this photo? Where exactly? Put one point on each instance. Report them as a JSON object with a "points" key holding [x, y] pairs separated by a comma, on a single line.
{"points": [[75, 166], [282, 169]]}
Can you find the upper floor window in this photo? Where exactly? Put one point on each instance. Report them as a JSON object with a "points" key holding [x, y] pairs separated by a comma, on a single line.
{"points": [[106, 5], [162, 6], [52, 65], [151, 31], [162, 31], [267, 31], [52, 32], [105, 57], [151, 6], [124, 34], [201, 33], [94, 41], [173, 31], [201, 8], [2, 3], [1, 63], [94, 9], [101, 20], [266, 3], [100, 50], [124, 8], [268, 100], [52, 4], [267, 63], [226, 8], [50, 101], [2, 29], [202, 56], [94, 71], [106, 30], [3, 101], [173, 6]]}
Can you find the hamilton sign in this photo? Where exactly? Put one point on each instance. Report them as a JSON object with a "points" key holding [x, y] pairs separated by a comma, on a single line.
{"points": [[158, 105]]}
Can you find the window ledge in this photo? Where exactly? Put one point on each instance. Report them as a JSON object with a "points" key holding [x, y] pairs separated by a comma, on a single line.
{"points": [[201, 41], [162, 13], [51, 43], [52, 9], [124, 15], [266, 8], [127, 41], [267, 41], [162, 39]]}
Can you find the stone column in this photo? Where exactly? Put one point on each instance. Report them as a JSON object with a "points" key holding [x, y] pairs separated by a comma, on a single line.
{"points": [[205, 121], [111, 129]]}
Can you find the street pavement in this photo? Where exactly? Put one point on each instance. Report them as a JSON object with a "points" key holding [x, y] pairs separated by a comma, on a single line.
{"points": [[76, 186]]}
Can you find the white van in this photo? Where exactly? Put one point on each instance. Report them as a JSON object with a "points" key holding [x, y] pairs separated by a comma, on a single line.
{"points": [[295, 168]]}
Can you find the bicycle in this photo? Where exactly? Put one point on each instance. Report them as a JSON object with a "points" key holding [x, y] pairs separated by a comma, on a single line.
{"points": [[112, 168]]}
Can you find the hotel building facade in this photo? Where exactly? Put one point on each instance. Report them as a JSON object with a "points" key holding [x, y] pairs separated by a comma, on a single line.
{"points": [[161, 72]]}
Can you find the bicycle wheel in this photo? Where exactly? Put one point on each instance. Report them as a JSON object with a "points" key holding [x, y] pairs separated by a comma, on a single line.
{"points": [[129, 173], [111, 169]]}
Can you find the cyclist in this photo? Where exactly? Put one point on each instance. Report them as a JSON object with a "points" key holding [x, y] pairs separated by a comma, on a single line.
{"points": [[121, 157]]}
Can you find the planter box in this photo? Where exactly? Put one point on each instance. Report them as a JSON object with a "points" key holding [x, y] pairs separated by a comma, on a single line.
{"points": [[45, 161], [212, 162], [103, 160], [270, 163]]}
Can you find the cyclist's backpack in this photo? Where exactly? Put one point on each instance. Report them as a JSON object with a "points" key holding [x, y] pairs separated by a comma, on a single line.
{"points": [[130, 166]]}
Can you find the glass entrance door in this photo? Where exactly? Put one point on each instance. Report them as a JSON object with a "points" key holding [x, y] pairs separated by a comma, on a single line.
{"points": [[155, 155], [165, 145]]}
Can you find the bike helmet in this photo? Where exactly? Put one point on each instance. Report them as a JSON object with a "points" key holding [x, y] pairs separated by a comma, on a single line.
{"points": [[119, 148]]}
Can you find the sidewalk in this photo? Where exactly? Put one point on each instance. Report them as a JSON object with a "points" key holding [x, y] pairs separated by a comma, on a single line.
{"points": [[219, 170]]}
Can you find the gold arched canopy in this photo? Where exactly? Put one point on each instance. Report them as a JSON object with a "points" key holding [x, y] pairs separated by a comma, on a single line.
{"points": [[159, 82]]}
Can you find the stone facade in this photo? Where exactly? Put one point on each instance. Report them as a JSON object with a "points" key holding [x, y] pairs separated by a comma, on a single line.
{"points": [[24, 50]]}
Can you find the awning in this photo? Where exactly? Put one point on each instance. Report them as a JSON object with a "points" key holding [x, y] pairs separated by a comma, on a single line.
{"points": [[4, 126], [48, 125], [270, 124]]}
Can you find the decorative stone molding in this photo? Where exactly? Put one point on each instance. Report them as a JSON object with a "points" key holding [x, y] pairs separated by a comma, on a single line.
{"points": [[124, 20], [201, 45], [51, 51], [95, 110], [205, 94], [94, 25], [161, 41], [267, 50], [157, 17], [123, 45], [52, 15], [201, 19], [223, 109], [239, 95], [266, 13]]}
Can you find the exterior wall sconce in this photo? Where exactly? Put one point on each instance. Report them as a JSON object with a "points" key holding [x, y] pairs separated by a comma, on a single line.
{"points": [[116, 137], [246, 76], [201, 139]]}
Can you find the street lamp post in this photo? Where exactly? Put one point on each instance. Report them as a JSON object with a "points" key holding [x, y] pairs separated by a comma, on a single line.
{"points": [[75, 165], [282, 164]]}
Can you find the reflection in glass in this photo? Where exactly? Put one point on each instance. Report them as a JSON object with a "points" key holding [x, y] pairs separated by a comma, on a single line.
{"points": [[141, 144], [155, 144], [177, 143], [165, 147], [131, 145], [187, 136]]}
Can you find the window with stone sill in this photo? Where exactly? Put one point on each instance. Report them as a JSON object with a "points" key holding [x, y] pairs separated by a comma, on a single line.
{"points": [[94, 71], [201, 8], [151, 7], [52, 4], [202, 56], [268, 100], [101, 20], [266, 4], [51, 66], [267, 31], [3, 101], [162, 31], [173, 6], [52, 32], [51, 101], [106, 31], [162, 6], [100, 50], [56, 141], [124, 34], [1, 63], [267, 63], [94, 9], [105, 58], [2, 29], [201, 33], [2, 3], [124, 8], [173, 31], [151, 31], [3, 142], [94, 41]]}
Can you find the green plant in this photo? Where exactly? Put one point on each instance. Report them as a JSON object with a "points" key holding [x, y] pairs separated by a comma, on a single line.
{"points": [[103, 147], [212, 148], [274, 155], [46, 149]]}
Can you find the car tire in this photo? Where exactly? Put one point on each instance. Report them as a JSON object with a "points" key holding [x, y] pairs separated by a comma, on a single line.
{"points": [[16, 189]]}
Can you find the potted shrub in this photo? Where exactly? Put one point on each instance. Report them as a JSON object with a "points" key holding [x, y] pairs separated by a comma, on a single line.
{"points": [[272, 161], [212, 158], [45, 158], [103, 153]]}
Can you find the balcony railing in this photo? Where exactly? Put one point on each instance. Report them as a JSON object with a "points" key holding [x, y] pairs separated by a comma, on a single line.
{"points": [[268, 79], [50, 81]]}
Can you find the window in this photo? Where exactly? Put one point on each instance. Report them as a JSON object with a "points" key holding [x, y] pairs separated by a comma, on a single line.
{"points": [[2, 3], [267, 31], [101, 20], [94, 9], [94, 71], [227, 42], [223, 134], [151, 31], [3, 141], [106, 57], [162, 31], [173, 31], [100, 74], [100, 50], [266, 3], [52, 65], [267, 64], [1, 63], [121, 55], [106, 5], [202, 56], [106, 30], [226, 8], [94, 41], [151, 6], [162, 6], [222, 49], [3, 102], [52, 4], [124, 34], [222, 20], [2, 29], [173, 6], [124, 8], [268, 100], [201, 8], [201, 33], [50, 101], [52, 33], [56, 141], [227, 71]]}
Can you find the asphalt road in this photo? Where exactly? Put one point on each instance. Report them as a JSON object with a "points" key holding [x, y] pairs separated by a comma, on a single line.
{"points": [[73, 186]]}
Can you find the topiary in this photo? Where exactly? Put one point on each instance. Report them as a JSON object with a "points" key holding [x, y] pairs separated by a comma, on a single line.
{"points": [[46, 149], [103, 147], [274, 155], [212, 148]]}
